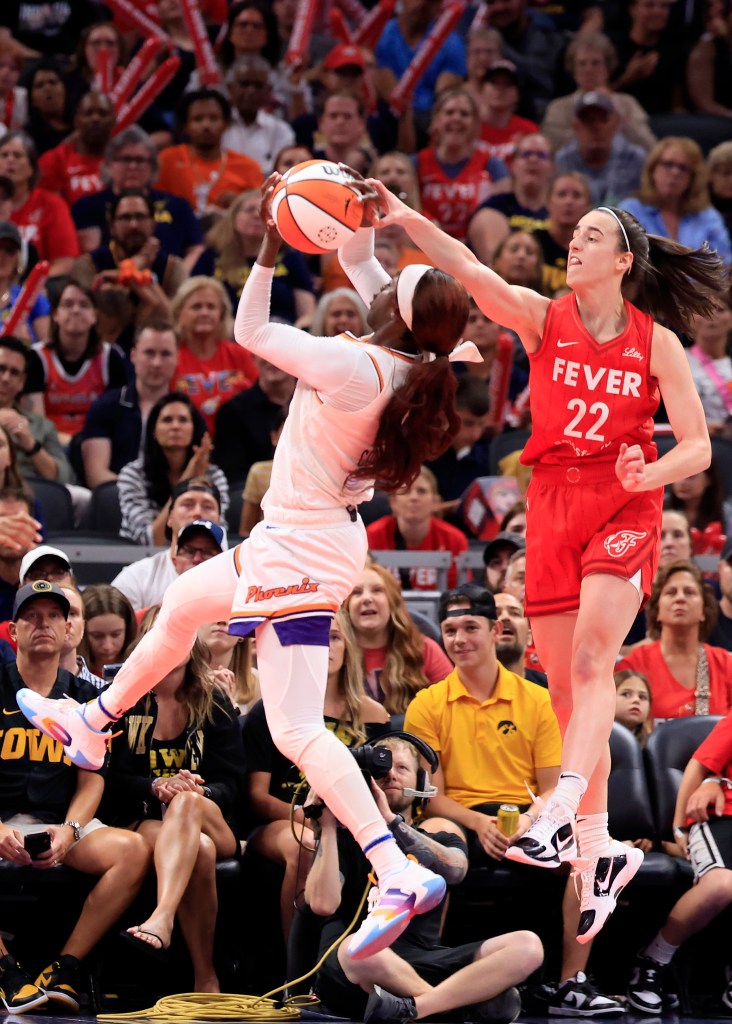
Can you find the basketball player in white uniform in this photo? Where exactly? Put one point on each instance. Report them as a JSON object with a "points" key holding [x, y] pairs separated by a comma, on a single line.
{"points": [[346, 425]]}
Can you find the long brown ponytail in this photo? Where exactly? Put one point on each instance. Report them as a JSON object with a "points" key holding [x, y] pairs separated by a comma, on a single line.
{"points": [[420, 420]]}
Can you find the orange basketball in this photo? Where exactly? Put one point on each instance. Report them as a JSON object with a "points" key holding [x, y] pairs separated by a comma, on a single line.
{"points": [[315, 208]]}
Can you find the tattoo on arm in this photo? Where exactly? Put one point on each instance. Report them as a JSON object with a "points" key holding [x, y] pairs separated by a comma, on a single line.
{"points": [[443, 860]]}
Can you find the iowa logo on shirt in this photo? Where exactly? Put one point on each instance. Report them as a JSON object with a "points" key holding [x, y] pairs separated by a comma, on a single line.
{"points": [[617, 544]]}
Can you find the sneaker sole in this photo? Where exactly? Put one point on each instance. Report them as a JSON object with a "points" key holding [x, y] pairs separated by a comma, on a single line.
{"points": [[63, 999], [646, 1010], [515, 853], [31, 1004], [563, 1011]]}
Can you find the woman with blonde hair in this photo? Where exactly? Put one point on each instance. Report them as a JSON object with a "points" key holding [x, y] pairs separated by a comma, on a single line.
{"points": [[230, 658], [273, 779], [180, 752], [211, 369], [673, 199], [397, 659], [341, 310], [232, 246]]}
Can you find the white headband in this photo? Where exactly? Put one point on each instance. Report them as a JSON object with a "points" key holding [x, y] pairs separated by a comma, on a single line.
{"points": [[606, 209], [409, 278]]}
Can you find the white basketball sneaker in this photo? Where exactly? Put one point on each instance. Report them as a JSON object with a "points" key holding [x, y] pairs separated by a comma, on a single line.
{"points": [[548, 843], [603, 879]]}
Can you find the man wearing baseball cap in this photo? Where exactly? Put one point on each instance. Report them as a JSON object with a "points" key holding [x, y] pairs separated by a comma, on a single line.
{"points": [[496, 734], [145, 581], [46, 563], [600, 151], [42, 792], [496, 556]]}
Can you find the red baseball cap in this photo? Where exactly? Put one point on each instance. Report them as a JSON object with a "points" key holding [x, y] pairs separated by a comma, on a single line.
{"points": [[343, 56]]}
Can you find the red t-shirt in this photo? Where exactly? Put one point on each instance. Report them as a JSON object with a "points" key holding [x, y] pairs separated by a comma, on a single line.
{"points": [[436, 663], [211, 382], [670, 698], [440, 537], [69, 173], [588, 398], [502, 141], [45, 220], [715, 753]]}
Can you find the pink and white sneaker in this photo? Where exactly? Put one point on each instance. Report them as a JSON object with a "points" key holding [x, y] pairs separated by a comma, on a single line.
{"points": [[64, 720], [392, 905]]}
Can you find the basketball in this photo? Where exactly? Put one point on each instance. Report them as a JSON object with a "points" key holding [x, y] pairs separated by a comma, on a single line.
{"points": [[315, 208]]}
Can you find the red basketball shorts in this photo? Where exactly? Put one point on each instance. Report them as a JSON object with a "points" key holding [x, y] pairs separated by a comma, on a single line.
{"points": [[582, 521]]}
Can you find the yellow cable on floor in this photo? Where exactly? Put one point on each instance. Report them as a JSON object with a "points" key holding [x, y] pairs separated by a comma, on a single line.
{"points": [[208, 1006]]}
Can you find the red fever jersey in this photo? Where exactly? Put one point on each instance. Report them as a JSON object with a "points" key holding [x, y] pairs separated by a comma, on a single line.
{"points": [[715, 753], [453, 201], [440, 537], [69, 173], [589, 398]]}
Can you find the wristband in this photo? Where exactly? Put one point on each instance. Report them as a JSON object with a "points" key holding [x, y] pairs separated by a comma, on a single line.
{"points": [[721, 780], [680, 831], [531, 817], [33, 450]]}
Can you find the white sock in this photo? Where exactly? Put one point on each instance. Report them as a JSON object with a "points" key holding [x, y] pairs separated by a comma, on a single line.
{"points": [[569, 791], [592, 835], [660, 950]]}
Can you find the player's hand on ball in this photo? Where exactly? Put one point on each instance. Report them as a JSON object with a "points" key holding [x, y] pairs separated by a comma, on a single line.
{"points": [[394, 210], [631, 468], [265, 209]]}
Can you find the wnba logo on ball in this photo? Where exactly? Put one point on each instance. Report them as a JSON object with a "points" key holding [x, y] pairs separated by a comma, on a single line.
{"points": [[618, 543]]}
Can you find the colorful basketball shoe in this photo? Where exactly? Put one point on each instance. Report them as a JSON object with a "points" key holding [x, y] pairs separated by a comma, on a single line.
{"points": [[17, 991], [603, 879], [392, 905], [64, 720], [548, 843]]}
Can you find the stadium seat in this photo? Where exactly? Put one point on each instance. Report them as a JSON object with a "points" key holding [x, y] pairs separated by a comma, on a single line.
{"points": [[55, 502], [667, 752], [105, 514]]}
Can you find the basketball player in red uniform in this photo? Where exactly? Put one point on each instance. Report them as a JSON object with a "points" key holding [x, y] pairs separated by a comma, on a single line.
{"points": [[598, 368]]}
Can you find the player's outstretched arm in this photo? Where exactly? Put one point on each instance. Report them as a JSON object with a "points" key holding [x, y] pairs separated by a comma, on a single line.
{"points": [[519, 309]]}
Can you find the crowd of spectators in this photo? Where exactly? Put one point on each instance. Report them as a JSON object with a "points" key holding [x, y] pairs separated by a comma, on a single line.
{"points": [[122, 378]]}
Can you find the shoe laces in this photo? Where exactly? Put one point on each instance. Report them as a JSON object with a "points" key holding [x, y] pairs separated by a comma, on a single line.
{"points": [[583, 876], [544, 828]]}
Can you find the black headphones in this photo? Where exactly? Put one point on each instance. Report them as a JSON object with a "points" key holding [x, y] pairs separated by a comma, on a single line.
{"points": [[424, 789]]}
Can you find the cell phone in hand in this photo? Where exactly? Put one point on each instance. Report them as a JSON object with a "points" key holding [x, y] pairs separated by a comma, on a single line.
{"points": [[37, 843], [110, 671]]}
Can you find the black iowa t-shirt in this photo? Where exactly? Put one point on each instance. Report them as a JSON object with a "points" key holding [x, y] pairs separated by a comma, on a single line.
{"points": [[35, 776]]}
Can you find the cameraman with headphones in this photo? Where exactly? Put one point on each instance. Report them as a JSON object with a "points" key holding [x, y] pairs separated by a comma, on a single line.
{"points": [[416, 977]]}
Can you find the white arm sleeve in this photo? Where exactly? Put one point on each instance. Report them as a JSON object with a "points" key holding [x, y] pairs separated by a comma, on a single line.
{"points": [[364, 271], [337, 368]]}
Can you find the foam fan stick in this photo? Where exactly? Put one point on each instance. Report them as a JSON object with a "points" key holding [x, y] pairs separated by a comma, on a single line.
{"points": [[103, 71], [338, 27], [353, 9], [370, 29], [208, 69], [148, 92], [500, 379], [482, 18], [134, 72], [424, 55], [302, 28], [144, 24], [26, 297]]}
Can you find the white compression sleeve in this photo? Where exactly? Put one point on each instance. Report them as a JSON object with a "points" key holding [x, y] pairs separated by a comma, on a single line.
{"points": [[330, 365], [364, 271]]}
